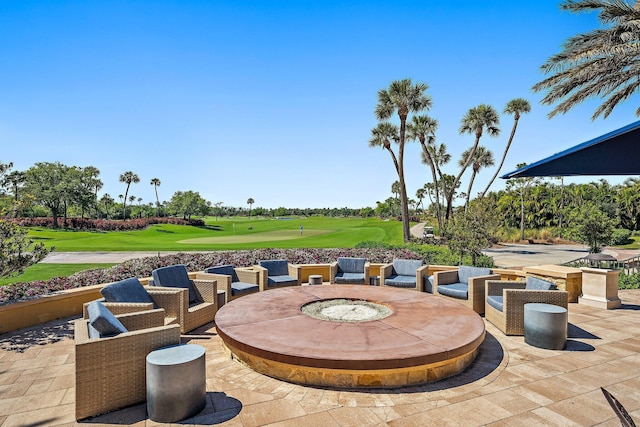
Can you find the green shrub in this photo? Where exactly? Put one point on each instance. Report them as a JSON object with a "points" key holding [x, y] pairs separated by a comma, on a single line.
{"points": [[621, 236], [628, 281]]}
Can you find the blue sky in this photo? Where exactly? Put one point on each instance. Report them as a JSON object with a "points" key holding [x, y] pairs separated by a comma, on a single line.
{"points": [[272, 100]]}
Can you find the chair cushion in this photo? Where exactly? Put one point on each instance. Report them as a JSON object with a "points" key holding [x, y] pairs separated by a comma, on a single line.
{"points": [[127, 290], [175, 276], [496, 301], [227, 270], [357, 278], [282, 280], [401, 281], [466, 272], [351, 265], [406, 267], [103, 322], [276, 267], [455, 290], [239, 288], [428, 284], [537, 284]]}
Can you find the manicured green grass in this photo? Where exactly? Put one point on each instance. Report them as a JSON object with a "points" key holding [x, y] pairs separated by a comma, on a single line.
{"points": [[48, 271], [229, 234]]}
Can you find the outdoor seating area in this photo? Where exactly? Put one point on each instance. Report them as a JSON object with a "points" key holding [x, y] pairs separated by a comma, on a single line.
{"points": [[510, 382]]}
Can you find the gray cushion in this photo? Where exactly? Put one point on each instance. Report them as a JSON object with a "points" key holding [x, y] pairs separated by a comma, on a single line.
{"points": [[103, 322], [239, 288], [496, 301], [127, 290], [351, 265], [175, 276], [455, 290], [227, 270], [276, 267], [357, 278], [406, 267], [401, 281], [466, 272], [283, 280], [428, 284], [537, 284]]}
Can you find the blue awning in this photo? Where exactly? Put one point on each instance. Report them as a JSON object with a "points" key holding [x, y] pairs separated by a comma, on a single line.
{"points": [[615, 153]]}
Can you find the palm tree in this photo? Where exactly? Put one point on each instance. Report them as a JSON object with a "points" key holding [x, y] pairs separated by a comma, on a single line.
{"points": [[421, 193], [382, 135], [395, 189], [156, 183], [481, 159], [423, 128], [602, 63], [128, 178], [516, 107], [402, 97], [250, 202], [474, 122]]}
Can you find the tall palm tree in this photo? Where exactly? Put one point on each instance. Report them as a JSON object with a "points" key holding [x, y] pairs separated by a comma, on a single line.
{"points": [[481, 159], [602, 63], [395, 189], [475, 122], [516, 107], [421, 193], [156, 183], [250, 202], [402, 97], [128, 178], [423, 128]]}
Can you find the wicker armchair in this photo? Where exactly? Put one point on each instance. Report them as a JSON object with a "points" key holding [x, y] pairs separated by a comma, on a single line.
{"points": [[404, 273], [349, 270], [465, 285], [277, 273], [511, 297], [199, 305], [110, 372], [236, 282]]}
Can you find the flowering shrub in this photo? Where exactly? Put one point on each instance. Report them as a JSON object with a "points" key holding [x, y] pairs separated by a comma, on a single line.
{"points": [[142, 267], [104, 225]]}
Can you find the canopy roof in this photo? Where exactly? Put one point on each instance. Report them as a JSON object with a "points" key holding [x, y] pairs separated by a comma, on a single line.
{"points": [[614, 153]]}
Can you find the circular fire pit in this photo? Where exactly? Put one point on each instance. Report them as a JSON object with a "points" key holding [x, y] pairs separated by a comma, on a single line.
{"points": [[422, 338]]}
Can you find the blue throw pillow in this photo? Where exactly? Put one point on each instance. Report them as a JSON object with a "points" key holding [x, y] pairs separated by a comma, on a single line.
{"points": [[127, 290], [536, 284], [104, 321], [175, 276], [227, 270]]}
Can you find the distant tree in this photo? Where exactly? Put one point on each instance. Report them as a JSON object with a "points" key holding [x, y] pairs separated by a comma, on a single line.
{"points": [[602, 63], [396, 189], [594, 228], [250, 202], [473, 230], [217, 210], [402, 97], [516, 107], [15, 180], [156, 183], [521, 187], [47, 182], [188, 203], [420, 195], [128, 178], [107, 201]]}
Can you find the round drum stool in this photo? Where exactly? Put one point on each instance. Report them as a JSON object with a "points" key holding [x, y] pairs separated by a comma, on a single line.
{"points": [[176, 382], [315, 279], [545, 326]]}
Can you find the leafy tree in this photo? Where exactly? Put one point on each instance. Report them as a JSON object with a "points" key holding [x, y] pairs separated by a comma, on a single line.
{"points": [[107, 201], [156, 183], [602, 63], [47, 182], [250, 202], [17, 251], [595, 228], [217, 209], [402, 97], [521, 187], [188, 203], [128, 178], [516, 107], [473, 230]]}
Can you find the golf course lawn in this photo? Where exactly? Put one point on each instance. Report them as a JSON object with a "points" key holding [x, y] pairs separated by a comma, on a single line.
{"points": [[229, 234]]}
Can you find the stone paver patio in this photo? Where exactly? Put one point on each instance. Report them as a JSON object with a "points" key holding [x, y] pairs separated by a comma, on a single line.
{"points": [[509, 384]]}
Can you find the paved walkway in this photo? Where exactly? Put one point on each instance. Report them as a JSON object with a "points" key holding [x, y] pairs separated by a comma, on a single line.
{"points": [[509, 384]]}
